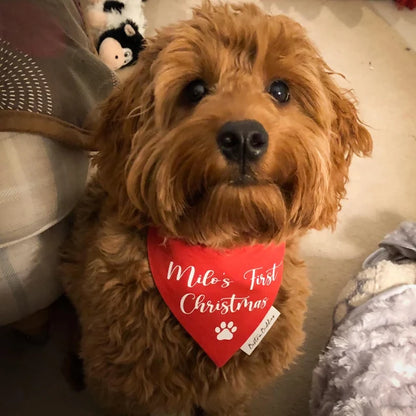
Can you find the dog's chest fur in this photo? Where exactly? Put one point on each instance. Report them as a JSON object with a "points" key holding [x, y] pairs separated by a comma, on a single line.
{"points": [[133, 348]]}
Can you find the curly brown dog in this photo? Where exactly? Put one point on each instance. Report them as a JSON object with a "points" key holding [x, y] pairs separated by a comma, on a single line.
{"points": [[230, 133]]}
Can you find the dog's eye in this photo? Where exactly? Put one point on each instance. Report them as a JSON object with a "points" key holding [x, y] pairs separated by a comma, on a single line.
{"points": [[195, 91], [279, 90]]}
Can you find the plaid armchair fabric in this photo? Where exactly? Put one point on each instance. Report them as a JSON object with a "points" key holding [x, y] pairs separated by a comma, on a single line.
{"points": [[40, 183], [51, 79]]}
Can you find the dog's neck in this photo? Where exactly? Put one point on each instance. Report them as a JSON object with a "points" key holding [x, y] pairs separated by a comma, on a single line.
{"points": [[220, 249]]}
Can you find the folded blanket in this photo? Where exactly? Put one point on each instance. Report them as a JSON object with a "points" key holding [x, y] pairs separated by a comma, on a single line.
{"points": [[393, 264], [398, 246], [382, 276], [369, 365]]}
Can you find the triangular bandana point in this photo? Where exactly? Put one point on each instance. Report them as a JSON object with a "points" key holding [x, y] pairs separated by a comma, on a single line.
{"points": [[219, 298]]}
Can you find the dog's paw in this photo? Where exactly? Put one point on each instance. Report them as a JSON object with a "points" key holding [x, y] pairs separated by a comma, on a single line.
{"points": [[225, 331]]}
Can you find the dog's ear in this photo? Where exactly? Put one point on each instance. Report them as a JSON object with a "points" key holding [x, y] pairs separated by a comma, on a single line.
{"points": [[349, 134], [348, 137]]}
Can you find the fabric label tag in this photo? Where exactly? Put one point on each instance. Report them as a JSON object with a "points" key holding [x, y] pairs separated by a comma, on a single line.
{"points": [[255, 338]]}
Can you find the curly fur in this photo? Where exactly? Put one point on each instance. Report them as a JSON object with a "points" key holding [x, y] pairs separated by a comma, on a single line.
{"points": [[158, 164]]}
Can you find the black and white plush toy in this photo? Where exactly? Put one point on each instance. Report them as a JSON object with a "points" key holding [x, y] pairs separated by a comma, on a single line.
{"points": [[120, 47], [117, 28]]}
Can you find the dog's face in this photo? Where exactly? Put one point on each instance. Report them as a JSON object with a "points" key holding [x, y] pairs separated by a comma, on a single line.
{"points": [[230, 131]]}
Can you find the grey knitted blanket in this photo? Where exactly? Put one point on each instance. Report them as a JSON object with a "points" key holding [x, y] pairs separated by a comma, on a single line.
{"points": [[369, 365], [399, 246]]}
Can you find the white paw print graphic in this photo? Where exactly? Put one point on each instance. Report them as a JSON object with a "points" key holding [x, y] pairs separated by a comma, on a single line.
{"points": [[225, 331]]}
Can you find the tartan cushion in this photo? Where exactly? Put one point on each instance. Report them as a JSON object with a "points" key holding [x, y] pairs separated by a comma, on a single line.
{"points": [[28, 274], [40, 183]]}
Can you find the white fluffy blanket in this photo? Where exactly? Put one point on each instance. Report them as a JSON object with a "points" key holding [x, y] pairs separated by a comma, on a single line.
{"points": [[369, 366]]}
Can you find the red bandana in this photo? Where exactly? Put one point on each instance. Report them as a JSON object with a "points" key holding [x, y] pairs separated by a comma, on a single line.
{"points": [[219, 297]]}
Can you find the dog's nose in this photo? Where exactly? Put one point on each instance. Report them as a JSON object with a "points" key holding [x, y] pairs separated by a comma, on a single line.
{"points": [[241, 141]]}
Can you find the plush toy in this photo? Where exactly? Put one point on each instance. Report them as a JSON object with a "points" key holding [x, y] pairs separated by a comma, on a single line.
{"points": [[121, 46], [117, 28]]}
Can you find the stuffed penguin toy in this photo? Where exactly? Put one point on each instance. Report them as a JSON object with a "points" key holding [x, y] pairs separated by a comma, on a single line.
{"points": [[117, 28]]}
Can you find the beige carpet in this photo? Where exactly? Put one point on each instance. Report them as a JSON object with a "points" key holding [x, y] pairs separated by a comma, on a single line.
{"points": [[374, 46]]}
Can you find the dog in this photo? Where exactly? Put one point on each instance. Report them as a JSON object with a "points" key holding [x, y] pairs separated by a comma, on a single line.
{"points": [[230, 134]]}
